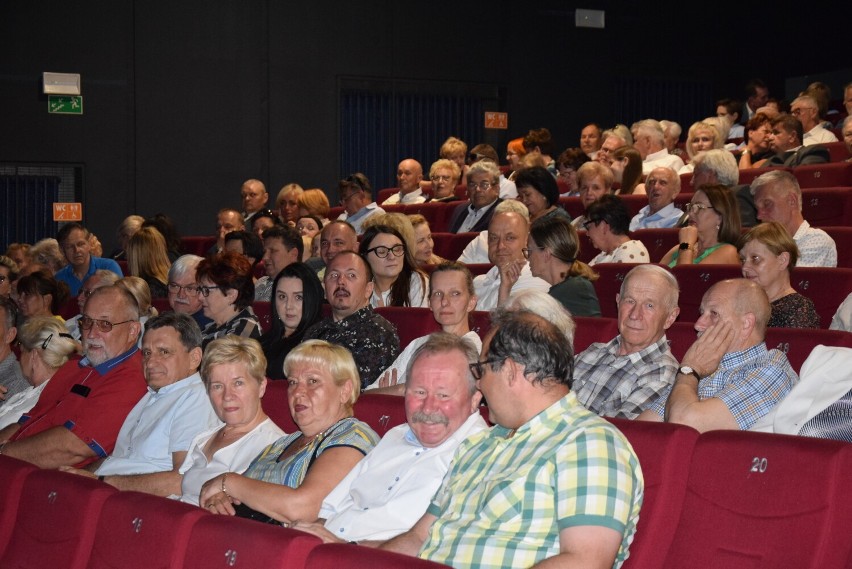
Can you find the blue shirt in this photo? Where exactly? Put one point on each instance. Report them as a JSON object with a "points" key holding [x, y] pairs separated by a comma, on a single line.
{"points": [[66, 273], [665, 218]]}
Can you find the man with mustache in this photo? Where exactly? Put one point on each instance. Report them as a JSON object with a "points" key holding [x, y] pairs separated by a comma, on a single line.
{"points": [[78, 415], [388, 491], [183, 289], [371, 339]]}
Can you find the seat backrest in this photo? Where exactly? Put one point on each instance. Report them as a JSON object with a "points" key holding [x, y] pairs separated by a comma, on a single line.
{"points": [[56, 520], [140, 530], [664, 451], [837, 151], [609, 285], [572, 205], [197, 245], [694, 280], [451, 245], [410, 323], [657, 241], [348, 556], [263, 310], [13, 472], [842, 237], [381, 411], [590, 330], [826, 287], [763, 500], [225, 542], [748, 175], [798, 344], [276, 407], [827, 206], [824, 175]]}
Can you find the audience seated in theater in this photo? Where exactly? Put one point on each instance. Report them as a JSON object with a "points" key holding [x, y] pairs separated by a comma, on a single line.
{"points": [[227, 220], [590, 140], [45, 347], [476, 252], [444, 175], [611, 140], [254, 198], [552, 249], [455, 150], [625, 376], [595, 180], [786, 142], [183, 289], [818, 405], [483, 191], [607, 226], [649, 141], [153, 442], [130, 225], [778, 197], [164, 224], [662, 186], [313, 202], [805, 109], [335, 237], [768, 255], [233, 371], [39, 294], [19, 252], [8, 275], [538, 191], [100, 278], [263, 220], [371, 339], [701, 137], [297, 298], [290, 478], [507, 238], [452, 299], [12, 379], [508, 190], [396, 279], [73, 238], [672, 132], [356, 198], [514, 152], [226, 290], [282, 245], [711, 232], [287, 203], [409, 174], [731, 111], [567, 165], [46, 255], [541, 433], [720, 167], [80, 412], [147, 258], [539, 141], [727, 378], [442, 410], [424, 245], [627, 170], [758, 134], [847, 136]]}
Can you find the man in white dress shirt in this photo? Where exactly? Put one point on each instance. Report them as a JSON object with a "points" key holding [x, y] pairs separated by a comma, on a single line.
{"points": [[805, 109], [409, 174], [649, 140]]}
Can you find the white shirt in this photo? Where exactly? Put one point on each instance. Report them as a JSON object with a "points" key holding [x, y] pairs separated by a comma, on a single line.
{"points": [[633, 251], [162, 423], [818, 135], [410, 198], [416, 294], [473, 216], [487, 286], [476, 252], [661, 159], [400, 364], [18, 404], [508, 190], [357, 219], [233, 458], [389, 490], [816, 248]]}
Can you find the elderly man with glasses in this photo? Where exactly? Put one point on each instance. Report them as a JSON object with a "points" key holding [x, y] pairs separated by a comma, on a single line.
{"points": [[356, 198], [78, 416], [483, 189]]}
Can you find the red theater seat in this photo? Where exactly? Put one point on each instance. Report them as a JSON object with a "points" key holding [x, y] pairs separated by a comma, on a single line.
{"points": [[798, 343], [197, 245], [348, 556], [657, 241], [13, 472], [827, 206], [276, 407], [843, 239], [590, 330], [824, 175], [826, 287], [694, 280], [609, 285], [451, 245], [381, 411], [410, 323]]}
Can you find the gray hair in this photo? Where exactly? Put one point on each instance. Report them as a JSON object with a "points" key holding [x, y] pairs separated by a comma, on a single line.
{"points": [[47, 331], [721, 162], [184, 324], [515, 206], [487, 167], [442, 343], [183, 265], [673, 292], [671, 127], [846, 122], [105, 277], [781, 179], [541, 303], [651, 128]]}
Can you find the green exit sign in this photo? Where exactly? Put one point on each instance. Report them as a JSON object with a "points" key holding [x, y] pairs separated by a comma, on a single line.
{"points": [[65, 105]]}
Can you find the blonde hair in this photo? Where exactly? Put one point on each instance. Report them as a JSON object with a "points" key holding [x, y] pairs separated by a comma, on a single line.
{"points": [[449, 165], [452, 146], [234, 350], [147, 255], [315, 202], [36, 331], [286, 189], [336, 359], [47, 252], [140, 291]]}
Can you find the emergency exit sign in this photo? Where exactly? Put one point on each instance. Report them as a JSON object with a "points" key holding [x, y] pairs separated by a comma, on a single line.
{"points": [[65, 104], [497, 120]]}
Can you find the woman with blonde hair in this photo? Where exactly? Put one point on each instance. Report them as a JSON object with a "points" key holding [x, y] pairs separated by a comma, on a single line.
{"points": [[456, 150], [313, 202], [47, 254], [148, 258], [287, 203], [445, 175], [424, 245], [702, 136], [139, 290]]}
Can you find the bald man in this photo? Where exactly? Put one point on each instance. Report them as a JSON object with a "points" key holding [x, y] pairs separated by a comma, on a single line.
{"points": [[409, 174], [727, 379]]}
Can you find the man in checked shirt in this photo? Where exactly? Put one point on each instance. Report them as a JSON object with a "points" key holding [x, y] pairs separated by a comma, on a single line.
{"points": [[625, 376]]}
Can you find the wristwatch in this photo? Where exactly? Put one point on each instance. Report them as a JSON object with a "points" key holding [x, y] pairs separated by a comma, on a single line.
{"points": [[686, 370], [685, 246]]}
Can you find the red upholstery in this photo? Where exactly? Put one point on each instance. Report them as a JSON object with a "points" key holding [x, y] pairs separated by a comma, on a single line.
{"points": [[276, 407], [843, 238], [824, 175], [125, 269], [657, 241], [747, 176], [198, 245], [683, 198], [263, 310], [590, 330], [573, 206], [161, 304], [664, 451], [13, 472], [837, 151], [138, 530], [694, 281], [56, 521], [381, 411], [798, 343], [760, 500], [480, 322], [69, 309], [681, 335], [827, 288], [348, 556], [609, 284], [411, 323], [223, 542], [827, 206], [451, 245], [686, 181]]}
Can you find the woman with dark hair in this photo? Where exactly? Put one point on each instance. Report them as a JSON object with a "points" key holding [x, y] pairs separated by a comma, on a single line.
{"points": [[297, 300], [164, 224], [39, 294], [567, 165], [309, 225], [757, 131], [627, 169], [147, 258], [608, 225], [552, 249], [537, 189], [226, 287], [713, 229], [397, 280], [261, 221]]}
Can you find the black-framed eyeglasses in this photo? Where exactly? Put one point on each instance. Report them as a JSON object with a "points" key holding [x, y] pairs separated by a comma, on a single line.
{"points": [[526, 251], [382, 252], [190, 290], [591, 222], [205, 290], [483, 186], [695, 207], [104, 326], [477, 369]]}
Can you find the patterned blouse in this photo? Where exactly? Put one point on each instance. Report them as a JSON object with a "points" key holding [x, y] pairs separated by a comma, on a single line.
{"points": [[794, 311]]}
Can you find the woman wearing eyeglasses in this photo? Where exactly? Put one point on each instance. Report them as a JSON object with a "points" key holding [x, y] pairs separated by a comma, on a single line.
{"points": [[445, 175], [45, 347], [226, 289], [713, 229], [397, 280]]}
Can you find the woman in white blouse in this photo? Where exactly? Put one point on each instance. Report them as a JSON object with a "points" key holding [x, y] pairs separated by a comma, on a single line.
{"points": [[396, 279]]}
